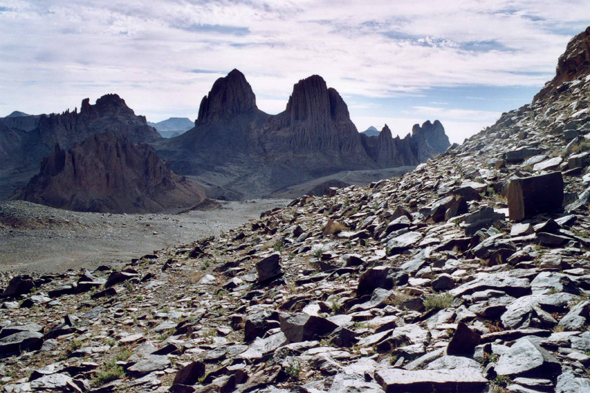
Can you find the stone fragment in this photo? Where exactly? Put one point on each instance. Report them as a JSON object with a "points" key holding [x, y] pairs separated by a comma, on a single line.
{"points": [[577, 317], [463, 342], [303, 327], [403, 242], [443, 282], [484, 218], [149, 364], [269, 268], [20, 342], [534, 195], [19, 285], [377, 277], [190, 374]]}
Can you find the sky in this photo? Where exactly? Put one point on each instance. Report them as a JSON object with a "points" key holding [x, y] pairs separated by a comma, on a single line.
{"points": [[395, 62]]}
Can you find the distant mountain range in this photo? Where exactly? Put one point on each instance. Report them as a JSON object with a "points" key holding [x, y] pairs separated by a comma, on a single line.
{"points": [[242, 152], [173, 126], [234, 149]]}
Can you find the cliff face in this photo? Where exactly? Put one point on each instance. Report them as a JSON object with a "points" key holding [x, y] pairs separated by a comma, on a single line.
{"points": [[574, 62], [110, 173], [29, 146]]}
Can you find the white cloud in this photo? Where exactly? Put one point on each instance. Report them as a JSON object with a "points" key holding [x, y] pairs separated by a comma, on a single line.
{"points": [[55, 52]]}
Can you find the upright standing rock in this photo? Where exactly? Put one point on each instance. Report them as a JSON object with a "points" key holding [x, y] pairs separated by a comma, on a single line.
{"points": [[269, 268], [534, 195]]}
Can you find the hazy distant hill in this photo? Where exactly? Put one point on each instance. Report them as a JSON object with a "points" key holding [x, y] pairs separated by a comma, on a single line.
{"points": [[173, 126], [21, 121], [371, 131]]}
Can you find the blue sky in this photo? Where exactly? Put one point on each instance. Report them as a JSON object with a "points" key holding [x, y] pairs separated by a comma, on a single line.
{"points": [[395, 62]]}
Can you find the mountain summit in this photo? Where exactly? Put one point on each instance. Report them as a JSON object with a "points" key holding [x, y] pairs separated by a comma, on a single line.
{"points": [[228, 97]]}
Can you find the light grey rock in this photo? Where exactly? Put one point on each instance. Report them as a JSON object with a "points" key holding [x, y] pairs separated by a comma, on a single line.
{"points": [[527, 359], [461, 380]]}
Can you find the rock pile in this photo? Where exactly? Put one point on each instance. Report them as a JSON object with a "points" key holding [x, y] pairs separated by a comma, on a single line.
{"points": [[416, 284]]}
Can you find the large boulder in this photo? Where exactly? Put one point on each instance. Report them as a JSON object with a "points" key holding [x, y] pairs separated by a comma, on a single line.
{"points": [[534, 195], [525, 358]]}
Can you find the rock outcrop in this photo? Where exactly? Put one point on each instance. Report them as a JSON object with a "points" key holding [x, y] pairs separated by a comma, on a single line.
{"points": [[573, 63], [109, 114], [109, 173]]}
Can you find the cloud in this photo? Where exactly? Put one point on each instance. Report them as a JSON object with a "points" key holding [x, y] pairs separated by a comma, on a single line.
{"points": [[166, 55]]}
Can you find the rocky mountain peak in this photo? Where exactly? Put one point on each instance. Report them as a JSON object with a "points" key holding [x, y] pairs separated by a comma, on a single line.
{"points": [[229, 96], [310, 100], [572, 64]]}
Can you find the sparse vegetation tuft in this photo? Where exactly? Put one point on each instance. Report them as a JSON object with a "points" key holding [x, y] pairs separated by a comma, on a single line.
{"points": [[438, 301]]}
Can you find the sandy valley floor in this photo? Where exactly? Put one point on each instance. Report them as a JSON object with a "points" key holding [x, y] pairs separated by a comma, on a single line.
{"points": [[40, 238]]}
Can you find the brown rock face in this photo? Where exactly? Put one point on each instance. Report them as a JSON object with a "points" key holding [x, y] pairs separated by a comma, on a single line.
{"points": [[572, 64], [109, 173], [228, 97], [534, 195]]}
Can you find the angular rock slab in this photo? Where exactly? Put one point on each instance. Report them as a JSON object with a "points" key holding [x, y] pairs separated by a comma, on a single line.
{"points": [[527, 359], [303, 327], [533, 195], [457, 380]]}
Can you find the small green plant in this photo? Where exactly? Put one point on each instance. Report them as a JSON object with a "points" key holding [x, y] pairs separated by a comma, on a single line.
{"points": [[502, 380], [166, 310], [318, 253], [336, 307], [138, 298], [489, 358], [123, 355], [393, 359], [278, 246], [438, 302], [164, 336], [110, 372], [128, 286], [293, 370]]}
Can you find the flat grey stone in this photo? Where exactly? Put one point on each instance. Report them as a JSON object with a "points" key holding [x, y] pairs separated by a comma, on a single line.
{"points": [[457, 380]]}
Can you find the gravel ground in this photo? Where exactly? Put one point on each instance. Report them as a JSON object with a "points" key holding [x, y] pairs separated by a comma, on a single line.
{"points": [[43, 239]]}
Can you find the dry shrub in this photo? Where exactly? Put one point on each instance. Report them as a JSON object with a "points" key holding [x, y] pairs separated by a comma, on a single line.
{"points": [[333, 227]]}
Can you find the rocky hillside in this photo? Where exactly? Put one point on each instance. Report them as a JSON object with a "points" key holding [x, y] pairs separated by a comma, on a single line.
{"points": [[469, 274], [248, 153], [109, 173], [109, 114]]}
